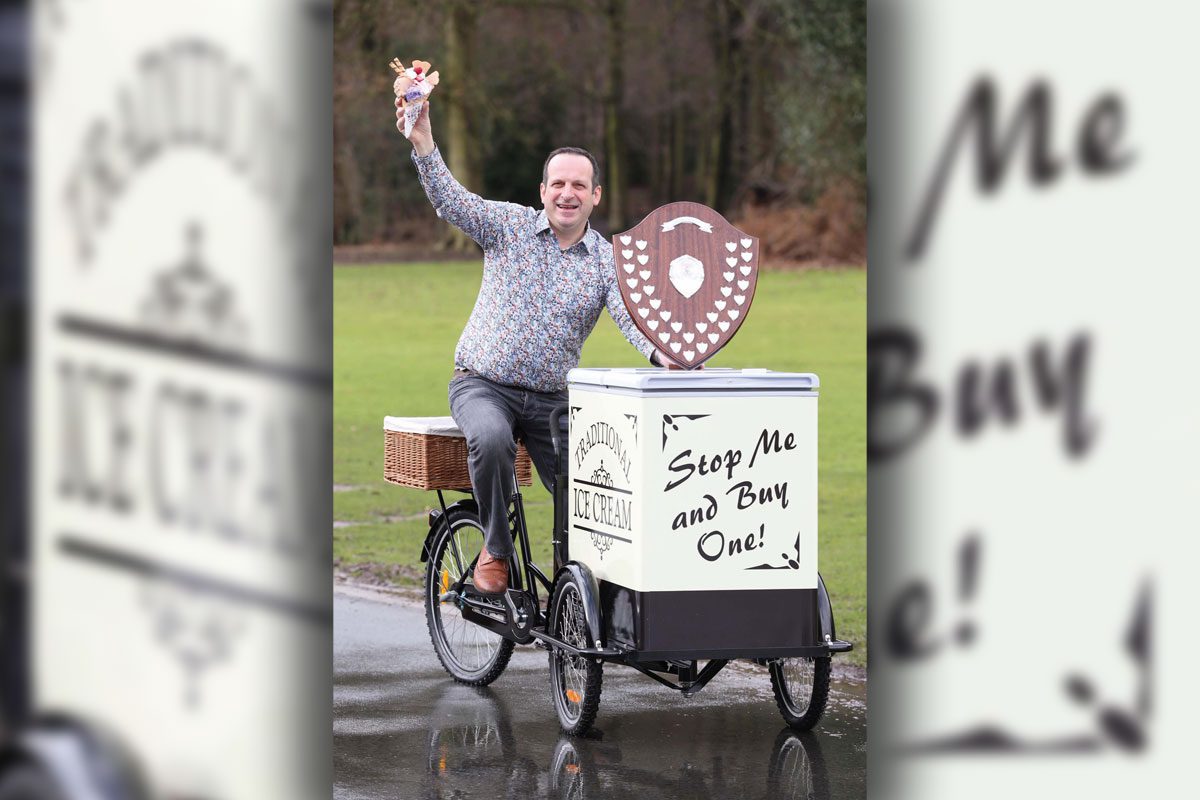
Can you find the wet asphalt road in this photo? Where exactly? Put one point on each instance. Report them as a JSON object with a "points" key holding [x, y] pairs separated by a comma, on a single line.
{"points": [[404, 729]]}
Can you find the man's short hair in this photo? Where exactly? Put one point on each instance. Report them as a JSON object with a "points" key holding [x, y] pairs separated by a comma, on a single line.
{"points": [[575, 151]]}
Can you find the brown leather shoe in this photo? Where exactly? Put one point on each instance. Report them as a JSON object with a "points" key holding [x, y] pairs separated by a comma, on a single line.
{"points": [[491, 574]]}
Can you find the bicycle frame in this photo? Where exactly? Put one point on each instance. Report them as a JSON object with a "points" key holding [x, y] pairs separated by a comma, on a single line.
{"points": [[521, 604], [518, 615]]}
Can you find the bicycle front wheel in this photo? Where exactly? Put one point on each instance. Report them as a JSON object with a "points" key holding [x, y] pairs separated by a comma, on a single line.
{"points": [[470, 653], [574, 680], [801, 689]]}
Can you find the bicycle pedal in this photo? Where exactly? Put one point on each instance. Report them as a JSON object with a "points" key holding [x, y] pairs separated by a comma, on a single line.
{"points": [[494, 600]]}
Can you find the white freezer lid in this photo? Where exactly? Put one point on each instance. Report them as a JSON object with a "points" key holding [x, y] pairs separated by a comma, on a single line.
{"points": [[656, 379], [434, 426]]}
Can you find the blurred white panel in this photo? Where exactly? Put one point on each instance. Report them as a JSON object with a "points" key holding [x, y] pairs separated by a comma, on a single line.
{"points": [[182, 382], [1032, 399]]}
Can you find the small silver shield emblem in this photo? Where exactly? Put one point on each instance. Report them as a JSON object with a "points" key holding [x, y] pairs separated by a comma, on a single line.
{"points": [[687, 275]]}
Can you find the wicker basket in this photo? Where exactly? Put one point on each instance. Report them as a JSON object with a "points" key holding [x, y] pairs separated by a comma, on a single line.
{"points": [[431, 453]]}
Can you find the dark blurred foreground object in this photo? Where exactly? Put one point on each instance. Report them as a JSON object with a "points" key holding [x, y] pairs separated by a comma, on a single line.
{"points": [[40, 759], [14, 357]]}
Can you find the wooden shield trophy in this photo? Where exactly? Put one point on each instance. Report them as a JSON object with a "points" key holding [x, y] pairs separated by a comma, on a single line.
{"points": [[687, 277]]}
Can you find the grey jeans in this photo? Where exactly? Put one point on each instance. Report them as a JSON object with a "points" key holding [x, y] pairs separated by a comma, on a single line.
{"points": [[490, 414]]}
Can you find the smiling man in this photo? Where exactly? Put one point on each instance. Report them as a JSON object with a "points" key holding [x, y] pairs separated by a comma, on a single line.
{"points": [[547, 275]]}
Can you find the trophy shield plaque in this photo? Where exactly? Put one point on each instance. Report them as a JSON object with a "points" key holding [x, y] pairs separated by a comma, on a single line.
{"points": [[687, 277]]}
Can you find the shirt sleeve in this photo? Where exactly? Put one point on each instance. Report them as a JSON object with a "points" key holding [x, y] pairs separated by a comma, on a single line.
{"points": [[483, 220], [620, 314]]}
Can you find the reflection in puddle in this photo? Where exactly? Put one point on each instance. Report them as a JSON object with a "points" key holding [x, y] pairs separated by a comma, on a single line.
{"points": [[474, 751]]}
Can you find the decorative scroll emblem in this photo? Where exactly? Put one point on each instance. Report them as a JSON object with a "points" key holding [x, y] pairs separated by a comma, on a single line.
{"points": [[687, 277], [602, 543]]}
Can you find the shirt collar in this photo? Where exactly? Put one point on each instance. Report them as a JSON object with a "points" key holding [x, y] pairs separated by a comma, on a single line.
{"points": [[589, 234]]}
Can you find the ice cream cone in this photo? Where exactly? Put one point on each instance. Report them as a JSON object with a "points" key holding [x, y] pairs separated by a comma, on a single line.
{"points": [[413, 86], [412, 111]]}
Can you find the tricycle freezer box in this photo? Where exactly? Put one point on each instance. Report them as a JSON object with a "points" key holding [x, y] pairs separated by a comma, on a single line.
{"points": [[694, 495]]}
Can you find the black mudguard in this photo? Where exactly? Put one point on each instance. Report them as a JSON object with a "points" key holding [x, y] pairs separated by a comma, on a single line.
{"points": [[825, 609], [466, 505], [590, 593]]}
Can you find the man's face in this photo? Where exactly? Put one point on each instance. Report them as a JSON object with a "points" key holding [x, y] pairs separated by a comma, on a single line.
{"points": [[568, 194]]}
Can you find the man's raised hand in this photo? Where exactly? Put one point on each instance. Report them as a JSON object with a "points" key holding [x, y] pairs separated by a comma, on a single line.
{"points": [[421, 135]]}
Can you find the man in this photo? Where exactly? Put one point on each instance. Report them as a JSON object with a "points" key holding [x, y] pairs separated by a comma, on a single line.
{"points": [[546, 277]]}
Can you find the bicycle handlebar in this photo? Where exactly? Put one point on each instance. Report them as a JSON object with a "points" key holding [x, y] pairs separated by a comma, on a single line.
{"points": [[555, 429]]}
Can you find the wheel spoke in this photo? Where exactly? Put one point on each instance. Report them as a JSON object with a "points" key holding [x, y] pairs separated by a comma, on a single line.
{"points": [[572, 666], [460, 563], [798, 680], [798, 676]]}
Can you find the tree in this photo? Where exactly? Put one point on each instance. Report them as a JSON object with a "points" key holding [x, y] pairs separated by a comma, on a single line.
{"points": [[614, 143], [461, 20]]}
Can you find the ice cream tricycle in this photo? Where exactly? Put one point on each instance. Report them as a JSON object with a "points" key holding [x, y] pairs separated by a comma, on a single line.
{"points": [[685, 504]]}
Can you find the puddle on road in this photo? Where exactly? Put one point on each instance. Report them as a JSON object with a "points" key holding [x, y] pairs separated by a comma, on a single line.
{"points": [[403, 728], [505, 742]]}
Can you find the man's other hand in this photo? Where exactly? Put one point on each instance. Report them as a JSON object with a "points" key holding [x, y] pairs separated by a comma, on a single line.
{"points": [[422, 133], [660, 359]]}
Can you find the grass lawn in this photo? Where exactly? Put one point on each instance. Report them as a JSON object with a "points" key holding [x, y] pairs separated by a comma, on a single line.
{"points": [[395, 328]]}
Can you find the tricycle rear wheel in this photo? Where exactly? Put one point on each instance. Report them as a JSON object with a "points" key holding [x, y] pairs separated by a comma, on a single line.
{"points": [[801, 689], [574, 680], [470, 653]]}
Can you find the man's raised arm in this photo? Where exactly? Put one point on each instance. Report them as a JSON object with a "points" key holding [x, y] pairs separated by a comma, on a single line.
{"points": [[482, 220]]}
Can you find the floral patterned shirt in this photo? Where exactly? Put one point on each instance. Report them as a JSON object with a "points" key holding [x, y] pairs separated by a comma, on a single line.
{"points": [[537, 303]]}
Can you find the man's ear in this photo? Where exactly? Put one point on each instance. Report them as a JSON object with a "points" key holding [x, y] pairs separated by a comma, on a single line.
{"points": [[542, 191], [596, 196]]}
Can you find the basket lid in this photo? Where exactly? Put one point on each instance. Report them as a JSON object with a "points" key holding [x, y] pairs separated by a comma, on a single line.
{"points": [[431, 426]]}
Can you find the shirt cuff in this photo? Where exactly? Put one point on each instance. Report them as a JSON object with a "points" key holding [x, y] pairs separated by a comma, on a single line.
{"points": [[420, 160]]}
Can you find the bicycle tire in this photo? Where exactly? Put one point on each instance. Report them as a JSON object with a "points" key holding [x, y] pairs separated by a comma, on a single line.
{"points": [[575, 681], [801, 687], [469, 652]]}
